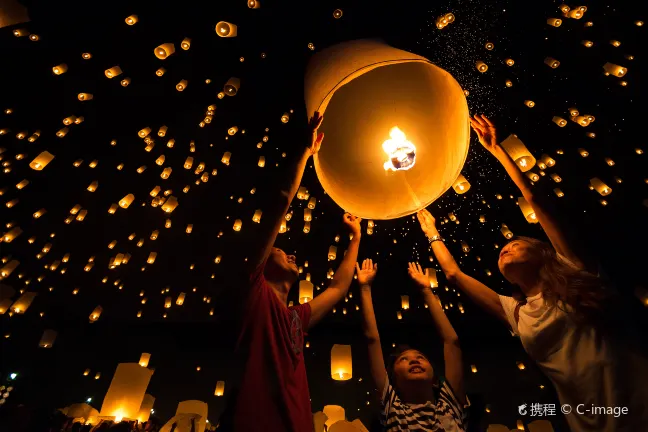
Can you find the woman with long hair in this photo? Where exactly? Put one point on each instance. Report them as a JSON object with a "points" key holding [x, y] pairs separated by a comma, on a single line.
{"points": [[560, 313]]}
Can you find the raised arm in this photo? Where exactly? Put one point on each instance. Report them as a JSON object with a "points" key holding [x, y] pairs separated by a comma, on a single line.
{"points": [[477, 291], [452, 354], [366, 275], [487, 134], [280, 202], [323, 303]]}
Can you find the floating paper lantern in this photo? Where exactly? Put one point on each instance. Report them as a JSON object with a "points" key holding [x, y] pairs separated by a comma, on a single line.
{"points": [[163, 51], [405, 302], [332, 252], [220, 388], [125, 82], [527, 210], [305, 291], [432, 277], [12, 234], [559, 121], [225, 29], [337, 13], [341, 362], [186, 44], [257, 216], [588, 44], [261, 161], [126, 392], [131, 20], [583, 152], [518, 152], [161, 71], [170, 204], [307, 227], [532, 176], [8, 269], [481, 66], [181, 298], [461, 185], [489, 46], [508, 83], [48, 338], [600, 187], [551, 62], [554, 22], [308, 215], [237, 224], [232, 86], [84, 97], [113, 72], [146, 408], [60, 69], [547, 160], [559, 193], [609, 161], [226, 158], [181, 85], [96, 313], [616, 70], [126, 201], [167, 302], [529, 103], [151, 258], [464, 247], [509, 62], [506, 232], [346, 81]]}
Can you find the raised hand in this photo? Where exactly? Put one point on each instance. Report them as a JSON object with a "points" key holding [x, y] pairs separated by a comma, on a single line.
{"points": [[428, 222], [366, 273], [485, 130], [315, 138], [353, 223], [418, 275]]}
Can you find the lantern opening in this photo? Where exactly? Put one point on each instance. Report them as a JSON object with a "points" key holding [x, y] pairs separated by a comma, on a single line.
{"points": [[401, 152]]}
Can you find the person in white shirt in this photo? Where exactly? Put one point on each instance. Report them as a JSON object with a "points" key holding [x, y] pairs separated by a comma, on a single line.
{"points": [[560, 313], [410, 394]]}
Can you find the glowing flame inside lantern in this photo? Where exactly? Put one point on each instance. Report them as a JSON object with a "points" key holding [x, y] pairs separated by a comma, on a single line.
{"points": [[401, 152]]}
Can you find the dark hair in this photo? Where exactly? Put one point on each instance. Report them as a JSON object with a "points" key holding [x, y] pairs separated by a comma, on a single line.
{"points": [[565, 284], [395, 354]]}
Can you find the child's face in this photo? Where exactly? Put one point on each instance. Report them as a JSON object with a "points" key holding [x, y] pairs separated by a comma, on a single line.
{"points": [[411, 365]]}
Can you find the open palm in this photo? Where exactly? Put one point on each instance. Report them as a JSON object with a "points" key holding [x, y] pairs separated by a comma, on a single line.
{"points": [[366, 273], [485, 130], [418, 275]]}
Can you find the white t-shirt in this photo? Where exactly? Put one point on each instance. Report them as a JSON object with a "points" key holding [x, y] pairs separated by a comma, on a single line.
{"points": [[584, 366]]}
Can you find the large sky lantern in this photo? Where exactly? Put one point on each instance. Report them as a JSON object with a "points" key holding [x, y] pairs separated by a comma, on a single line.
{"points": [[126, 392], [396, 128]]}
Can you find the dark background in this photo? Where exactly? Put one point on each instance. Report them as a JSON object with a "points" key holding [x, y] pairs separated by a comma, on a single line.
{"points": [[189, 336]]}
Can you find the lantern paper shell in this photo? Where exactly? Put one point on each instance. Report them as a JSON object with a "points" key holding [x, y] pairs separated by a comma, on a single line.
{"points": [[232, 86], [96, 313], [41, 161], [405, 302], [527, 210], [305, 291], [365, 88], [551, 62], [334, 413], [220, 388], [225, 29], [461, 185], [332, 252], [163, 51], [24, 301], [191, 407], [48, 338], [519, 153], [145, 408], [600, 187], [341, 363], [170, 204], [113, 72], [126, 201], [616, 70], [481, 66], [506, 232], [559, 121], [126, 392], [554, 22], [144, 360]]}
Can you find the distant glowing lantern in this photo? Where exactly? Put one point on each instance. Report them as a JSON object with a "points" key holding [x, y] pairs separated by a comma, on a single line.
{"points": [[559, 121], [126, 392], [48, 338], [96, 313], [170, 204], [345, 81], [337, 13], [225, 29], [226, 158], [232, 86], [186, 44], [85, 97], [41, 161], [131, 20], [519, 153], [113, 72], [182, 85], [508, 83], [489, 46], [559, 193], [161, 71], [341, 363], [432, 277], [481, 66], [529, 103], [600, 187], [305, 291], [616, 70], [506, 232], [60, 69], [461, 185], [405, 304], [126, 201], [532, 176], [332, 253], [551, 62], [151, 258], [554, 22], [527, 210], [163, 51], [220, 388], [509, 62], [587, 43]]}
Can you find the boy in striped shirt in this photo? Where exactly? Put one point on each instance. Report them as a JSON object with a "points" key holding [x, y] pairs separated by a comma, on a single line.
{"points": [[410, 395]]}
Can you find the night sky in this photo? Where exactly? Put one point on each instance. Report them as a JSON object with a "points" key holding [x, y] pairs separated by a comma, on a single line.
{"points": [[269, 55]]}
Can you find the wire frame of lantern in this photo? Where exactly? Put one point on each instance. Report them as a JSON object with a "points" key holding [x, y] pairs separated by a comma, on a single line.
{"points": [[226, 29]]}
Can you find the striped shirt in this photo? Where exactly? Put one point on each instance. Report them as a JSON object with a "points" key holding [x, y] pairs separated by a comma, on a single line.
{"points": [[448, 414]]}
